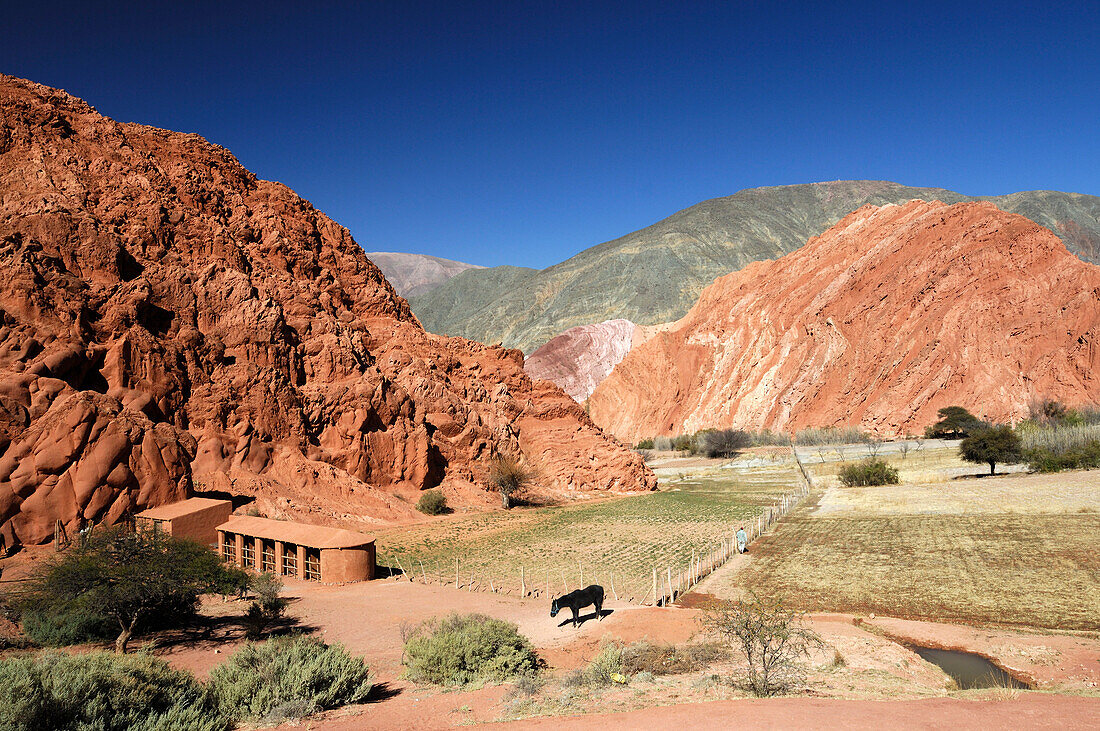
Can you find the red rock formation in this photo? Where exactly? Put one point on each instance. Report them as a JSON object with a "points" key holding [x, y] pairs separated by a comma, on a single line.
{"points": [[888, 316], [165, 314]]}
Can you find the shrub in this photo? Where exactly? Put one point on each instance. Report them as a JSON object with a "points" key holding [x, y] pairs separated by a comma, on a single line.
{"points": [[644, 444], [432, 502], [1044, 459], [822, 436], [288, 677], [467, 648], [60, 626], [682, 443], [267, 607], [608, 662], [509, 477], [992, 445], [770, 636], [723, 442], [867, 473], [662, 444], [104, 692]]}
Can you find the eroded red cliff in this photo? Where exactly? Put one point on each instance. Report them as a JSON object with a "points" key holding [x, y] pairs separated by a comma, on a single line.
{"points": [[888, 316], [166, 317]]}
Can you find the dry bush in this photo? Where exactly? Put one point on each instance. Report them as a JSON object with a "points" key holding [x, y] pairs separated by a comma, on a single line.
{"points": [[669, 659], [819, 436], [772, 638]]}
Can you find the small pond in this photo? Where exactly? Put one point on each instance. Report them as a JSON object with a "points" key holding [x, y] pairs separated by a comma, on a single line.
{"points": [[968, 670]]}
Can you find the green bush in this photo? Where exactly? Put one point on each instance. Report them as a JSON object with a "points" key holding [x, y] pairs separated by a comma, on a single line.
{"points": [[288, 677], [467, 648], [644, 444], [101, 691], [1045, 459], [867, 473], [61, 626], [608, 662], [432, 502]]}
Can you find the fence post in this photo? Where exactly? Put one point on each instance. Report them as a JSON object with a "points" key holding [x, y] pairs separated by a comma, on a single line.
{"points": [[456, 573], [654, 586], [671, 595], [613, 592], [522, 582]]}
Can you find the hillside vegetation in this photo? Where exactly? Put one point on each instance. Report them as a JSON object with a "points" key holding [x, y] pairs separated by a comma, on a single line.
{"points": [[655, 275]]}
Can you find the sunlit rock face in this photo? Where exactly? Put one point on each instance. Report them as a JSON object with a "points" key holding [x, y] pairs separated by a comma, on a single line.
{"points": [[891, 314], [167, 319]]}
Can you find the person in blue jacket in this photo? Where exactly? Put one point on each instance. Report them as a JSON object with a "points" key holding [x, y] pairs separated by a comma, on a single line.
{"points": [[742, 539]]}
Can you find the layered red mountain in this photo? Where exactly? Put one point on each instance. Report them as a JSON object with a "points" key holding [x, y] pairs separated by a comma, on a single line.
{"points": [[888, 316], [166, 319]]}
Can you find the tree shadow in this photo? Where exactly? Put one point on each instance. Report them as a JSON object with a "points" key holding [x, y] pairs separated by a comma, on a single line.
{"points": [[205, 632], [382, 692]]}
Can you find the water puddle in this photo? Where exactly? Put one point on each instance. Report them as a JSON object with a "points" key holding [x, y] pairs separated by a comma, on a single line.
{"points": [[969, 670]]}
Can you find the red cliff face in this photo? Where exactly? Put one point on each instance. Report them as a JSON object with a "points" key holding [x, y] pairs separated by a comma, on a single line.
{"points": [[888, 316], [166, 317]]}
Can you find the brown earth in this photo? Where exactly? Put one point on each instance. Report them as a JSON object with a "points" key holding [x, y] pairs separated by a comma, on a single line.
{"points": [[166, 318], [891, 314], [881, 680]]}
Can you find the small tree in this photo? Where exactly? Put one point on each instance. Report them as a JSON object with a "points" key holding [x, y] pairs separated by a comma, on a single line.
{"points": [[267, 607], [955, 422], [129, 578], [992, 445], [725, 442], [771, 636], [508, 477], [868, 473]]}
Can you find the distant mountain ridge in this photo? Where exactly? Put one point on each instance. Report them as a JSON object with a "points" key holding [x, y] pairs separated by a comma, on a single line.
{"points": [[656, 274], [412, 274]]}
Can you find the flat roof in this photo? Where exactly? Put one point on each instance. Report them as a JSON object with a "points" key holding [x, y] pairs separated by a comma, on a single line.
{"points": [[302, 534], [183, 507]]}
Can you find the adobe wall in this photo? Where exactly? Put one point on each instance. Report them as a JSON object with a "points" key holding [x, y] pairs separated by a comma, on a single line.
{"points": [[200, 525], [341, 565]]}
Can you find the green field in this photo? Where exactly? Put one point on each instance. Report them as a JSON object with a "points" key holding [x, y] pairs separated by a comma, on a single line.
{"points": [[558, 546]]}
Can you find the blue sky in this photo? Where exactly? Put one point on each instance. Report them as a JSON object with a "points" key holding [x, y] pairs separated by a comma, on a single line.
{"points": [[522, 133]]}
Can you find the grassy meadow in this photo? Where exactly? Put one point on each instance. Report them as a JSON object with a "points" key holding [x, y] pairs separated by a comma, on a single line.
{"points": [[1015, 549], [695, 508]]}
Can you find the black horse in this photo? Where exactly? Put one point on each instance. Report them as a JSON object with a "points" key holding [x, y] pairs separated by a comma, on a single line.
{"points": [[578, 599]]}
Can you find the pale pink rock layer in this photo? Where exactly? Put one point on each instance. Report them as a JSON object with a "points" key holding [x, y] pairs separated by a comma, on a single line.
{"points": [[886, 317], [582, 356], [167, 317]]}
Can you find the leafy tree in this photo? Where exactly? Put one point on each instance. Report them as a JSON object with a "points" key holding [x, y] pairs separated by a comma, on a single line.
{"points": [[509, 477], [955, 422], [129, 578], [992, 445], [770, 635], [267, 607]]}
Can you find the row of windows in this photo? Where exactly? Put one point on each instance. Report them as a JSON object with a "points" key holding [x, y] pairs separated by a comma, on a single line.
{"points": [[267, 557]]}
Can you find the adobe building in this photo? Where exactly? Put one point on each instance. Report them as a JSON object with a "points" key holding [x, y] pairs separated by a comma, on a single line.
{"points": [[196, 518], [309, 552]]}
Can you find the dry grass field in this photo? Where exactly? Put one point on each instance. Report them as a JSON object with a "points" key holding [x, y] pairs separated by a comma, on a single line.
{"points": [[1017, 549], [561, 546]]}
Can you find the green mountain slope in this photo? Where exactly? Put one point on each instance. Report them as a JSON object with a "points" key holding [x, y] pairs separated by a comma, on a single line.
{"points": [[654, 275]]}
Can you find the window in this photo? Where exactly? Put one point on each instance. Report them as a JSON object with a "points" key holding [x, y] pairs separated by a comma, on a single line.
{"points": [[313, 564], [290, 559], [248, 553], [267, 557], [229, 548]]}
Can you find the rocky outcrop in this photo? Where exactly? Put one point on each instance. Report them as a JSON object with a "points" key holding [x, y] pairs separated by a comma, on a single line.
{"points": [[888, 316], [655, 275], [166, 318], [412, 274], [582, 356]]}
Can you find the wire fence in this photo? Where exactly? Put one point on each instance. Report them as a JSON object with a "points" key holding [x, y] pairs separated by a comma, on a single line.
{"points": [[656, 585]]}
